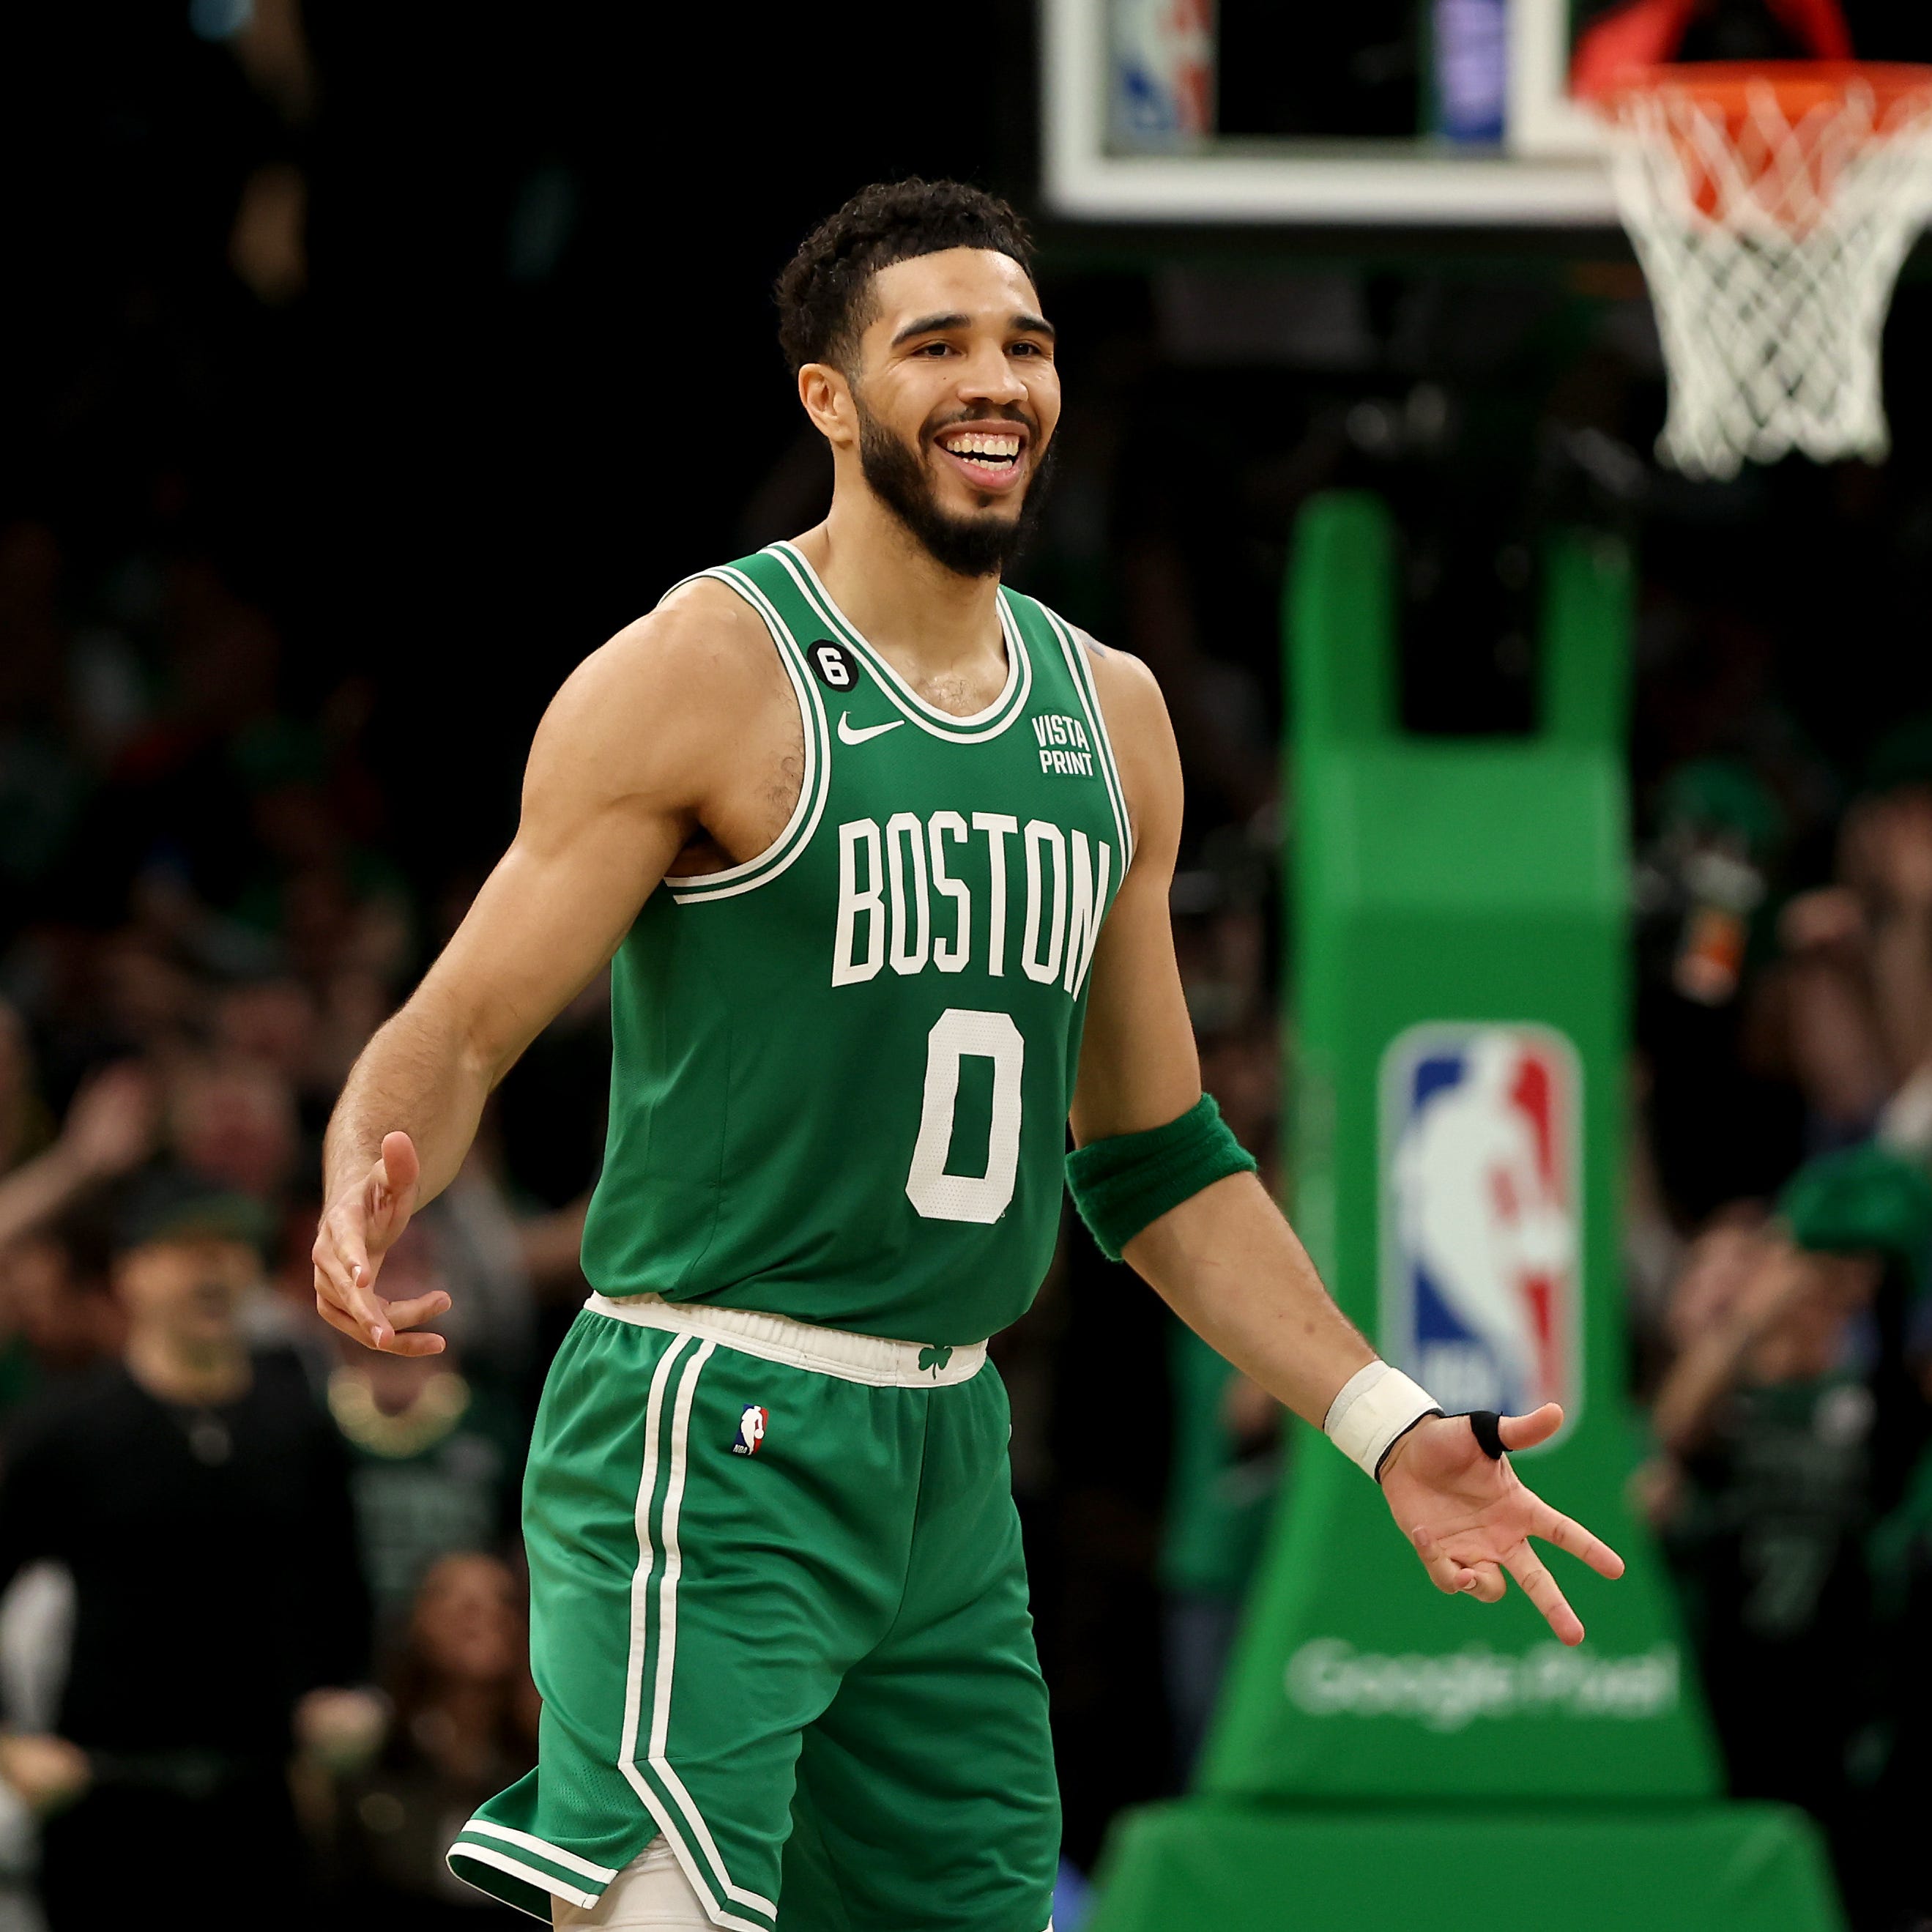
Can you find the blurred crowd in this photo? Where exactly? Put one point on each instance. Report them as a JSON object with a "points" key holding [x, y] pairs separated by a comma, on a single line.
{"points": [[1779, 1272], [300, 521], [1780, 1259], [264, 1606]]}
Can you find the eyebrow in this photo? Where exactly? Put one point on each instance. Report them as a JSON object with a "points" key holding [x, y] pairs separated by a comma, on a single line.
{"points": [[1025, 323]]}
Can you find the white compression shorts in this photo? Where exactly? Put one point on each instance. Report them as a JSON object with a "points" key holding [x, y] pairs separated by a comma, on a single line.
{"points": [[651, 1894]]}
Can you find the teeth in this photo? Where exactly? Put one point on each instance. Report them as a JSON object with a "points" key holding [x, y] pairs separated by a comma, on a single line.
{"points": [[1006, 449]]}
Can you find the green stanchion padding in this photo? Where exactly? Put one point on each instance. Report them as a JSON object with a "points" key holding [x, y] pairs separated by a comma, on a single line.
{"points": [[1460, 992], [1203, 1866], [1453, 891]]}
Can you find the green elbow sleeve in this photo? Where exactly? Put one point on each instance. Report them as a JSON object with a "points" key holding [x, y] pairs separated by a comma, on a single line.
{"points": [[1126, 1182]]}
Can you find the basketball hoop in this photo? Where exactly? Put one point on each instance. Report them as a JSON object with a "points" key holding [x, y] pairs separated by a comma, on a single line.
{"points": [[1771, 205]]}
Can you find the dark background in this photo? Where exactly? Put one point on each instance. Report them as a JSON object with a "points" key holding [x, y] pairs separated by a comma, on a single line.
{"points": [[429, 354]]}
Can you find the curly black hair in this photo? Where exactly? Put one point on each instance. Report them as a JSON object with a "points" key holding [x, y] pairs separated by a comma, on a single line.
{"points": [[821, 295]]}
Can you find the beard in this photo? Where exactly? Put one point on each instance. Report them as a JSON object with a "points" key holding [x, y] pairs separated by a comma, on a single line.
{"points": [[980, 546]]}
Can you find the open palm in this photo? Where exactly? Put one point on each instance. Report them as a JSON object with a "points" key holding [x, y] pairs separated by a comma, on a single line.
{"points": [[1471, 1519]]}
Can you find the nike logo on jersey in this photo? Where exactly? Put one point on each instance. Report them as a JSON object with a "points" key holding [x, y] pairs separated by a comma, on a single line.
{"points": [[850, 733]]}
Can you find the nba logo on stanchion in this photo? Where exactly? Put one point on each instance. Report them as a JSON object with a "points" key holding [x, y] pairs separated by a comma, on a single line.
{"points": [[1482, 1294]]}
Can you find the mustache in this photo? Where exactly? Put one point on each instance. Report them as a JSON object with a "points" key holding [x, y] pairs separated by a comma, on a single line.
{"points": [[901, 479], [1014, 413]]}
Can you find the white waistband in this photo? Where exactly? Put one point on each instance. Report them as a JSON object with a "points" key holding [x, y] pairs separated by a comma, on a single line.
{"points": [[872, 1359]]}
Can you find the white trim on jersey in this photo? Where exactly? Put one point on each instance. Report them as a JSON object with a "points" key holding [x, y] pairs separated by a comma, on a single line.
{"points": [[982, 725], [699, 888], [1082, 673]]}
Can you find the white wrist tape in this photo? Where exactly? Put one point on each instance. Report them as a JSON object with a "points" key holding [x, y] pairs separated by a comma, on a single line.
{"points": [[1376, 1405]]}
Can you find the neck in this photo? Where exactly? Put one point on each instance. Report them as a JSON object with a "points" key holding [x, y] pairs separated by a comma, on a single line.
{"points": [[928, 620], [178, 1370]]}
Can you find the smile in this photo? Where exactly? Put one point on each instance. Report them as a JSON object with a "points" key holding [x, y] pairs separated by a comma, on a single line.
{"points": [[990, 459]]}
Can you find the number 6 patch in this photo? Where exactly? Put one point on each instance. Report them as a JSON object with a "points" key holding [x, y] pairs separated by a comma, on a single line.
{"points": [[833, 663]]}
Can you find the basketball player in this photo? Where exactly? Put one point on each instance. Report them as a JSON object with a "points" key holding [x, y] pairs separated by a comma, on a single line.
{"points": [[880, 853]]}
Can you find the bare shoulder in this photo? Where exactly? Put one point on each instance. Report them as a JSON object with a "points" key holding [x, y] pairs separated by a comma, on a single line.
{"points": [[1132, 703], [701, 643], [662, 695]]}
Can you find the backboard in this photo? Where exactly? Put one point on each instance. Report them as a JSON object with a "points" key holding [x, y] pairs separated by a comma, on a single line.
{"points": [[1341, 113]]}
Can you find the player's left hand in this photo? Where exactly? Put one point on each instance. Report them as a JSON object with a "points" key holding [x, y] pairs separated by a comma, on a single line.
{"points": [[1470, 1520]]}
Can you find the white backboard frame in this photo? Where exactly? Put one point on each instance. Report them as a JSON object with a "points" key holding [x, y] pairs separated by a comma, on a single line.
{"points": [[1547, 173]]}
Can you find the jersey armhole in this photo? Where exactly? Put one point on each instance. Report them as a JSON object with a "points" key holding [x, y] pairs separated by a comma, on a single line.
{"points": [[1082, 672], [697, 888]]}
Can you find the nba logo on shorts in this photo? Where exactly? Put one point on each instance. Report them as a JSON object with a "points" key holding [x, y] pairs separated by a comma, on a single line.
{"points": [[750, 1432], [1482, 1297]]}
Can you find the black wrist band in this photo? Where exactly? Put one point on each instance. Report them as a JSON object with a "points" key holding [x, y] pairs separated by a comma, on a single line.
{"points": [[1484, 1423]]}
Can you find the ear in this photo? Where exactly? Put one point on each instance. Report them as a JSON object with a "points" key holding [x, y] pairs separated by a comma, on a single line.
{"points": [[827, 395]]}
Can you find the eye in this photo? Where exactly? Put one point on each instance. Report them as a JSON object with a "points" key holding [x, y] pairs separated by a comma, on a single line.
{"points": [[933, 349]]}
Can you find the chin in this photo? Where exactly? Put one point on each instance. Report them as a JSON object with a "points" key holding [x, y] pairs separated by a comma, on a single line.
{"points": [[1002, 515]]}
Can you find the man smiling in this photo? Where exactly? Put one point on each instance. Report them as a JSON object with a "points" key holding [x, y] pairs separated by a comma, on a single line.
{"points": [[882, 851]]}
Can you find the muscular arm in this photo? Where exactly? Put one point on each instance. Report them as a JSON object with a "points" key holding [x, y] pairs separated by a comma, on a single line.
{"points": [[1228, 1263], [630, 764], [1225, 1261]]}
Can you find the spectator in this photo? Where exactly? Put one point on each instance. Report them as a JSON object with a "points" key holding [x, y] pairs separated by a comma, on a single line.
{"points": [[464, 1725], [1901, 1553], [1788, 1428], [109, 1130], [437, 1462], [201, 1504], [23, 1124], [233, 1124], [58, 1315]]}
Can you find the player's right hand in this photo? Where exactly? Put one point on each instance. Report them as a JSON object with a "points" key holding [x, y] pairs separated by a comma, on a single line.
{"points": [[358, 1228]]}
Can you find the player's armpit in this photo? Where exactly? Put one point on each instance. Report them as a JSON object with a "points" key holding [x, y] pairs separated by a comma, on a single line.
{"points": [[644, 744], [646, 734]]}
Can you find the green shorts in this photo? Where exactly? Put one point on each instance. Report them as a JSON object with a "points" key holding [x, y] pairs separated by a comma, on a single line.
{"points": [[778, 1614]]}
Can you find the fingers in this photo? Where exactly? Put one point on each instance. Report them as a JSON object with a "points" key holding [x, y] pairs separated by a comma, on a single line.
{"points": [[1525, 1432], [399, 1165], [1488, 1586], [345, 1266], [1448, 1576], [413, 1313], [1540, 1587], [1568, 1534], [346, 1280], [342, 1323], [341, 1255], [428, 1342]]}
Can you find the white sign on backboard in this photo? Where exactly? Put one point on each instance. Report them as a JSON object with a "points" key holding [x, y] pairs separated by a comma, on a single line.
{"points": [[1546, 173]]}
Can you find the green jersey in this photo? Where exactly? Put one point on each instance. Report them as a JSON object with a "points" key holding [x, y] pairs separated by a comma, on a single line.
{"points": [[842, 1070]]}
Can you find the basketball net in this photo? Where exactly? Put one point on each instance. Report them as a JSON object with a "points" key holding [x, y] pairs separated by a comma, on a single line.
{"points": [[1771, 207]]}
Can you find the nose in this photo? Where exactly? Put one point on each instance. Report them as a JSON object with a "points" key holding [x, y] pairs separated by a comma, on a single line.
{"points": [[991, 377]]}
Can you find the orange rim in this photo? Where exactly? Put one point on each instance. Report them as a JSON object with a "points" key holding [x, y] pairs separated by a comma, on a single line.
{"points": [[1800, 87]]}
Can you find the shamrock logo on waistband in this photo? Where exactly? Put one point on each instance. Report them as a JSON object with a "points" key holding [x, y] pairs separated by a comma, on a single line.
{"points": [[934, 1358]]}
